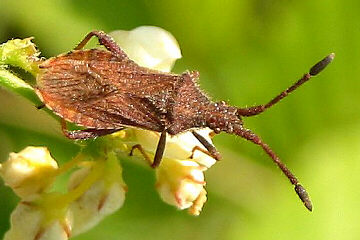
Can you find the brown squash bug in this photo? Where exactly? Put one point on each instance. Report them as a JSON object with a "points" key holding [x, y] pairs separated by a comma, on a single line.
{"points": [[105, 91]]}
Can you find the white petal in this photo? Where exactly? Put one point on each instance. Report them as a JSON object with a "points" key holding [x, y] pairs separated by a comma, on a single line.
{"points": [[27, 224], [149, 46], [179, 183], [96, 203]]}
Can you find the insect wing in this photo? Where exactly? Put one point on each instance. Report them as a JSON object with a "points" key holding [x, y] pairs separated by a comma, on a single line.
{"points": [[94, 89]]}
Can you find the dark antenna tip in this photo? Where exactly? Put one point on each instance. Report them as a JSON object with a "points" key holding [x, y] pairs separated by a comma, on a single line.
{"points": [[317, 68], [304, 196]]}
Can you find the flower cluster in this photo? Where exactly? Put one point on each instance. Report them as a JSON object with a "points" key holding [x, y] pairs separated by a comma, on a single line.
{"points": [[95, 190], [96, 187], [180, 179]]}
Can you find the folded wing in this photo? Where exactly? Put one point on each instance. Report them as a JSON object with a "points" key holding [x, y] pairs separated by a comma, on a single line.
{"points": [[94, 89]]}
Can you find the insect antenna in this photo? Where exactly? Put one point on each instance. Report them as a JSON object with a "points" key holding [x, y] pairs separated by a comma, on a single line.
{"points": [[299, 189], [316, 69]]}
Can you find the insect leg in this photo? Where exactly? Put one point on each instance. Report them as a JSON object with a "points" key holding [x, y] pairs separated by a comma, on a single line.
{"points": [[159, 150], [211, 148], [317, 68], [41, 106], [105, 40], [300, 190], [86, 133], [142, 151], [197, 148]]}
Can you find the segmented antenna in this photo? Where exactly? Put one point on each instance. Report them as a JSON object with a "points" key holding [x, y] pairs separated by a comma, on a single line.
{"points": [[251, 111], [316, 69]]}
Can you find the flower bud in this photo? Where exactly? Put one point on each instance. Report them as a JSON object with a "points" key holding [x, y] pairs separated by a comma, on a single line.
{"points": [[30, 171], [149, 46], [181, 183], [104, 197], [21, 53], [29, 221]]}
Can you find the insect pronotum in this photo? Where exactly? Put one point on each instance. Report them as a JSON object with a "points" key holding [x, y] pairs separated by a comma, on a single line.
{"points": [[105, 91]]}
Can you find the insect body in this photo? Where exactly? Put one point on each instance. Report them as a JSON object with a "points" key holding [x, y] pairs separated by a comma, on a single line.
{"points": [[105, 91]]}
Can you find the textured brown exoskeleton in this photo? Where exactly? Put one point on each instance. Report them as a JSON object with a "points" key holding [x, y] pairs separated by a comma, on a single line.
{"points": [[105, 91]]}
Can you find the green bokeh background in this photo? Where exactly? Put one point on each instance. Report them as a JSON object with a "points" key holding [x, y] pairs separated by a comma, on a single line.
{"points": [[246, 51]]}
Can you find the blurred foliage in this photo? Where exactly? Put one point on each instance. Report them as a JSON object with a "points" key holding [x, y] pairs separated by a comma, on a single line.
{"points": [[247, 51]]}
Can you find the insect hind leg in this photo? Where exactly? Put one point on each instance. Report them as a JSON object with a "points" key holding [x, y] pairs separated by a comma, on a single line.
{"points": [[142, 151], [158, 154], [86, 133], [159, 150], [105, 40]]}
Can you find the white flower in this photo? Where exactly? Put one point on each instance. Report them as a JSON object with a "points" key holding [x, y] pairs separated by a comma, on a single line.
{"points": [[104, 197], [181, 183], [30, 221], [30, 171], [149, 46]]}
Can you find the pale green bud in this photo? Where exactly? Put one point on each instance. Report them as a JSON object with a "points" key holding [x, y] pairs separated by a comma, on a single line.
{"points": [[30, 171]]}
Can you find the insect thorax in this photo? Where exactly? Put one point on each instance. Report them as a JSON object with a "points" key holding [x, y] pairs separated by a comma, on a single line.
{"points": [[222, 117]]}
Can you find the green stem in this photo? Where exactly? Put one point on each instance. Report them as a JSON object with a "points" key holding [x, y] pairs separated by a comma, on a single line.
{"points": [[17, 85]]}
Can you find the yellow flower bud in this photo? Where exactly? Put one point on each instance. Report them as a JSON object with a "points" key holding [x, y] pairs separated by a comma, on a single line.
{"points": [[30, 171]]}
